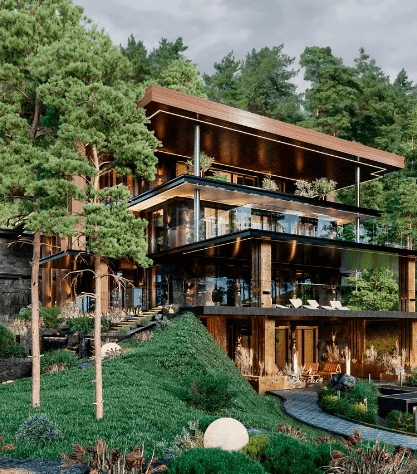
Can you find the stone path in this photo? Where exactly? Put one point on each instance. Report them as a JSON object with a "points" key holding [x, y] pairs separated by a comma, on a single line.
{"points": [[301, 404]]}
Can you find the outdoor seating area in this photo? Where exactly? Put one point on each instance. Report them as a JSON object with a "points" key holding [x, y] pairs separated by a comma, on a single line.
{"points": [[311, 374], [313, 304]]}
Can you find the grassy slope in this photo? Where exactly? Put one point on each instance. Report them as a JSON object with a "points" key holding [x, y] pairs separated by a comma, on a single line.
{"points": [[138, 405]]}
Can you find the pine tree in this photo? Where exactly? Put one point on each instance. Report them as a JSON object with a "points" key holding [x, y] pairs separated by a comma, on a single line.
{"points": [[165, 65], [375, 290], [29, 175], [223, 85], [66, 113], [101, 129], [261, 83]]}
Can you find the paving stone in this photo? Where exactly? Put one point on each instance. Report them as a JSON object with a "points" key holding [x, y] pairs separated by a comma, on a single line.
{"points": [[302, 404]]}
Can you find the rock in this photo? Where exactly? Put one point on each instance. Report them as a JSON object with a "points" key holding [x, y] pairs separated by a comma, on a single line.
{"points": [[84, 365], [342, 382], [226, 433]]}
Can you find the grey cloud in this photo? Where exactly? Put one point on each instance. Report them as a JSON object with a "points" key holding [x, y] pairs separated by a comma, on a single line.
{"points": [[385, 28]]}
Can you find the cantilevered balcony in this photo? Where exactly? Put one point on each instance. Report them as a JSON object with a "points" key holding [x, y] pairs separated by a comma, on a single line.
{"points": [[229, 208]]}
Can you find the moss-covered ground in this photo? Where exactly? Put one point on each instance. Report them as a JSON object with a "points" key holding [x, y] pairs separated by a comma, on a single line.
{"points": [[140, 405]]}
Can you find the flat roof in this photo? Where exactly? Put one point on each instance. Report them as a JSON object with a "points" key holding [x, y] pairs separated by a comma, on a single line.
{"points": [[239, 138]]}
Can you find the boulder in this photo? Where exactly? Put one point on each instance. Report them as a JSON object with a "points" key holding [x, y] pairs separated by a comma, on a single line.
{"points": [[226, 433], [342, 382], [110, 349]]}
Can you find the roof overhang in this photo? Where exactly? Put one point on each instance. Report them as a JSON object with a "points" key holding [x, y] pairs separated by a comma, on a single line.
{"points": [[244, 140]]}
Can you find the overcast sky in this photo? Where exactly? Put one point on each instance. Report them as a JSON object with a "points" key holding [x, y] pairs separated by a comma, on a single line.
{"points": [[387, 29]]}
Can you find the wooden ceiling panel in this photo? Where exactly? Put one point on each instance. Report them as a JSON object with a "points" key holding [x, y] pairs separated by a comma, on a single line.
{"points": [[245, 140]]}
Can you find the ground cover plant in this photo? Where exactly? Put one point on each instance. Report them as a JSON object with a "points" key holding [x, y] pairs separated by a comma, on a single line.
{"points": [[214, 461], [352, 404], [139, 407], [61, 358], [8, 345]]}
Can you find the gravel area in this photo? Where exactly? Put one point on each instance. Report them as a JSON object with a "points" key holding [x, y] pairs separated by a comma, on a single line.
{"points": [[36, 466]]}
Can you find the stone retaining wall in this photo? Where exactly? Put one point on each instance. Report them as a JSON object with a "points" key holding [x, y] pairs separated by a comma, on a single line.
{"points": [[14, 368]]}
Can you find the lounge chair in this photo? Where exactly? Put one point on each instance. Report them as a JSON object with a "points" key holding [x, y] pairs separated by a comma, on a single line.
{"points": [[338, 305], [297, 303], [279, 306], [312, 304]]}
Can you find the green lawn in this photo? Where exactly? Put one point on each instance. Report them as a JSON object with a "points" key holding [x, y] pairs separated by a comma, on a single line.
{"points": [[139, 405]]}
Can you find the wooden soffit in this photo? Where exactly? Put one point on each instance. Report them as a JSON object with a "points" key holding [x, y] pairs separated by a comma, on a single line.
{"points": [[244, 140]]}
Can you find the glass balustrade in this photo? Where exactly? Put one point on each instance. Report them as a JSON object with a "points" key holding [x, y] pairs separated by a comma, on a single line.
{"points": [[223, 291], [248, 217]]}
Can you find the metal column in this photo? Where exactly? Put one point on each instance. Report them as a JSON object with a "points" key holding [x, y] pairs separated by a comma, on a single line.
{"points": [[357, 201], [197, 191]]}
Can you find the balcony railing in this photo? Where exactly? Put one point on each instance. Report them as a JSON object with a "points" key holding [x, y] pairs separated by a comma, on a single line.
{"points": [[239, 292], [248, 217]]}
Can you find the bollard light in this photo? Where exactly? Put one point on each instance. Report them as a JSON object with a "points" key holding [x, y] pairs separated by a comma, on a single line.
{"points": [[415, 418]]}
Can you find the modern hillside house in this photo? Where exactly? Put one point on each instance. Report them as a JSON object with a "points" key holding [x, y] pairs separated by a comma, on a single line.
{"points": [[235, 253]]}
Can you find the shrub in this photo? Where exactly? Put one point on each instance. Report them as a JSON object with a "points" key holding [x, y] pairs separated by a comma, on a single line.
{"points": [[50, 317], [191, 437], [38, 429], [25, 314], [59, 356], [351, 404], [372, 459], [86, 324], [143, 336], [412, 378], [209, 391], [286, 455], [214, 461], [206, 421], [7, 338], [18, 350], [256, 447], [104, 459], [401, 421], [219, 176], [268, 183]]}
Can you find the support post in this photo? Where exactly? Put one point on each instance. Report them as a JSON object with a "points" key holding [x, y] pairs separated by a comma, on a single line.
{"points": [[261, 272], [357, 200], [407, 275], [197, 191]]}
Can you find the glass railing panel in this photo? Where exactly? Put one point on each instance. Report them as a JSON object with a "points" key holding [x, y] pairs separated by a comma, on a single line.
{"points": [[319, 226], [241, 292]]}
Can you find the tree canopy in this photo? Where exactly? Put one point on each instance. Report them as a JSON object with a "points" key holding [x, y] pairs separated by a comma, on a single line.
{"points": [[261, 83]]}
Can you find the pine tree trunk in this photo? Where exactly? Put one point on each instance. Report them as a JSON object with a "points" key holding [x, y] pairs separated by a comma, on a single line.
{"points": [[36, 356], [97, 338]]}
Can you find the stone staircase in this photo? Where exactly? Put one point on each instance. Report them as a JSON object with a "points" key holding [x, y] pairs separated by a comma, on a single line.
{"points": [[133, 321]]}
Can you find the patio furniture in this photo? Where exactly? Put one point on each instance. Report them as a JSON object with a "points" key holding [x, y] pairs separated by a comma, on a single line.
{"points": [[312, 304], [279, 306], [330, 369], [297, 303], [338, 305], [310, 372]]}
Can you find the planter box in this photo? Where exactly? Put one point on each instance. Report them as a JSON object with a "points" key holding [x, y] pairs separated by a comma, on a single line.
{"points": [[401, 401], [266, 383], [390, 377]]}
